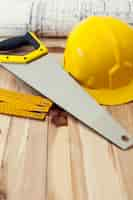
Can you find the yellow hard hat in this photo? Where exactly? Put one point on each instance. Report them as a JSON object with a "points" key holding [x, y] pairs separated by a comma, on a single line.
{"points": [[99, 54]]}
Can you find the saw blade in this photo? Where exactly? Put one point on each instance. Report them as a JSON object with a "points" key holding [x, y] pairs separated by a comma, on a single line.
{"points": [[47, 77]]}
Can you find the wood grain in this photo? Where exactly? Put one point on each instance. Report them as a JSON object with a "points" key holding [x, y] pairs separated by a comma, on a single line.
{"points": [[23, 151], [41, 161]]}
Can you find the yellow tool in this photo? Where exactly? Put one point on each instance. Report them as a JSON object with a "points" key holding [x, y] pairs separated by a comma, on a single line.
{"points": [[24, 105], [28, 39], [99, 54], [18, 104]]}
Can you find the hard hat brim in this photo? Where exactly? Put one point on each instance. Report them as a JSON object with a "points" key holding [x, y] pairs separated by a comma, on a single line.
{"points": [[112, 96]]}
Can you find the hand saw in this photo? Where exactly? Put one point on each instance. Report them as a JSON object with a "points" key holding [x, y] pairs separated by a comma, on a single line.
{"points": [[47, 77]]}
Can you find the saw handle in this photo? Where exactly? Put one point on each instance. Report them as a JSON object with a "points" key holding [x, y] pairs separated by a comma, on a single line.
{"points": [[17, 42], [39, 48]]}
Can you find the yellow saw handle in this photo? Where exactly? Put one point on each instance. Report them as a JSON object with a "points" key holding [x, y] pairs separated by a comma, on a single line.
{"points": [[16, 42]]}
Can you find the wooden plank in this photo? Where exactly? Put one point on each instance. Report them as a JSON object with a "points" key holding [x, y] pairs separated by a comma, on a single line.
{"points": [[124, 114], [5, 122], [26, 160], [23, 155], [59, 166]]}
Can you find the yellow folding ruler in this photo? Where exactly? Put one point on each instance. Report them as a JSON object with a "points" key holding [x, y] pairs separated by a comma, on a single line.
{"points": [[23, 105], [18, 104]]}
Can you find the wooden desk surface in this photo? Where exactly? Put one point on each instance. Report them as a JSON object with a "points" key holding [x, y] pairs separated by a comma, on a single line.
{"points": [[40, 161]]}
